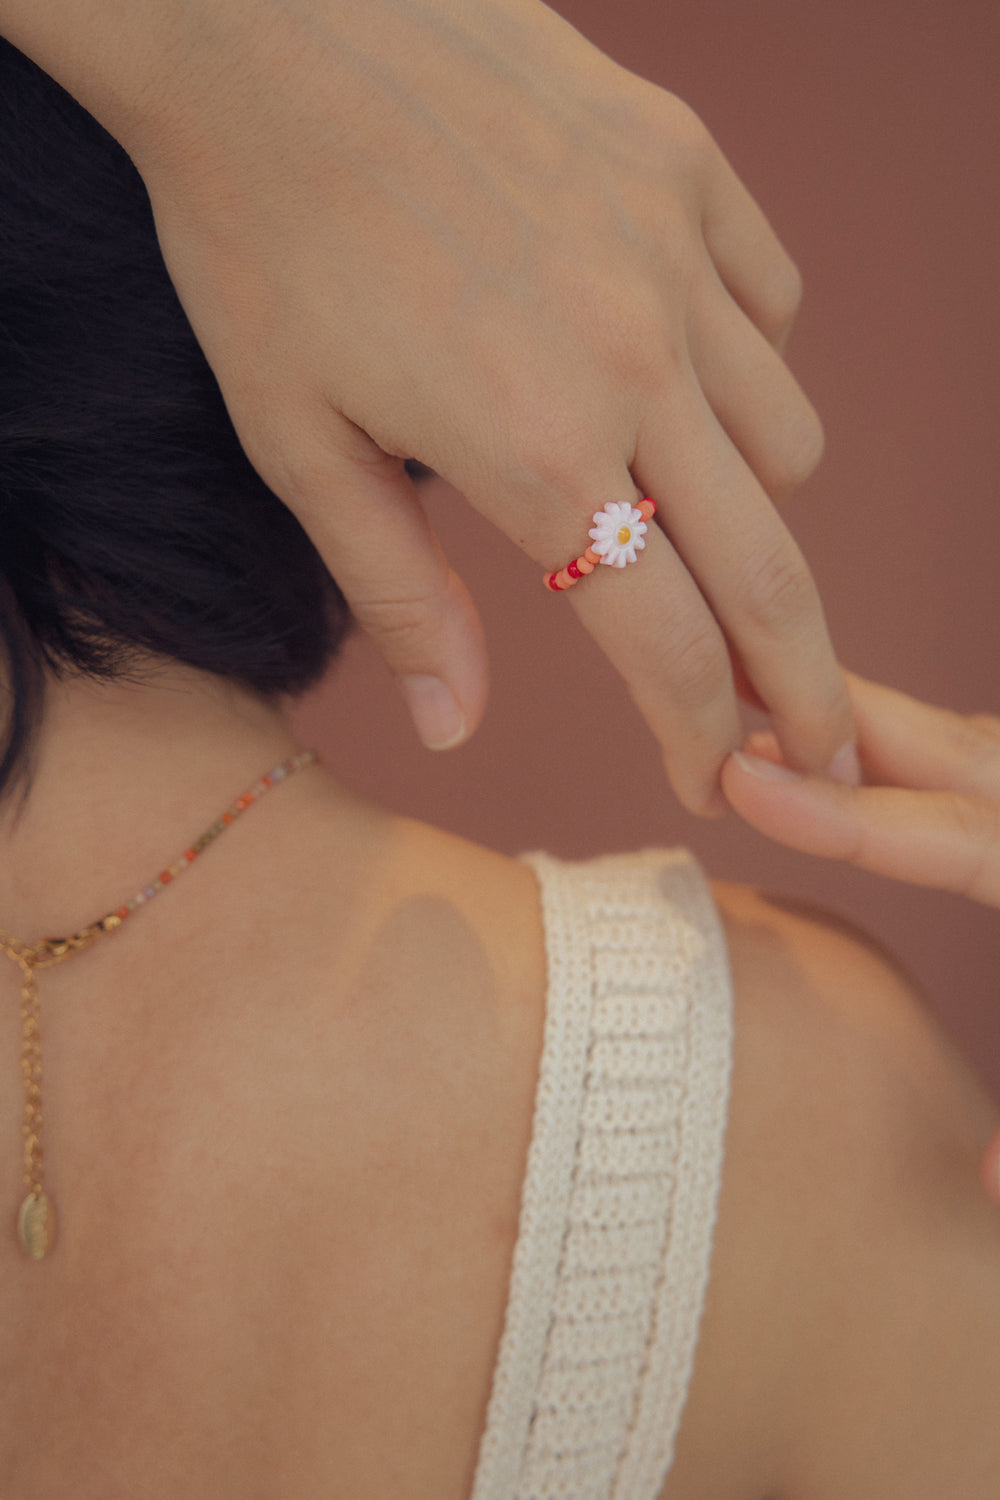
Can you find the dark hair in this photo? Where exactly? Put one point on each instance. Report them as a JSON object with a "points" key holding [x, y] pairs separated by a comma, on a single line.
{"points": [[131, 522]]}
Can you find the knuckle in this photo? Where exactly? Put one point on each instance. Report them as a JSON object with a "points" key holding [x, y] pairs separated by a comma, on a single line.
{"points": [[779, 595], [783, 294], [634, 347], [986, 728], [543, 462], [977, 823], [977, 741], [397, 622], [691, 137], [628, 330], [697, 667], [977, 820], [803, 451], [550, 452]]}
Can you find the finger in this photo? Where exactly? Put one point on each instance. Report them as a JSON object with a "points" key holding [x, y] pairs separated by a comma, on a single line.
{"points": [[765, 746], [650, 619], [940, 839], [757, 271], [362, 512], [912, 744], [752, 392], [653, 624], [905, 743], [752, 573], [745, 689]]}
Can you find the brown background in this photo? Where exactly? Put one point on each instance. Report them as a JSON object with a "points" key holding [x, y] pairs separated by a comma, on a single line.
{"points": [[869, 133]]}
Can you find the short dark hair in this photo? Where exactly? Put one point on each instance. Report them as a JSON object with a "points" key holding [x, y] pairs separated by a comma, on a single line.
{"points": [[131, 522]]}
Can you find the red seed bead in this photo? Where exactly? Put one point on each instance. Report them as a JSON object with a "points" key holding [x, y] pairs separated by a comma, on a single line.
{"points": [[550, 583], [227, 817], [573, 569], [122, 912], [190, 854], [244, 801], [166, 877]]}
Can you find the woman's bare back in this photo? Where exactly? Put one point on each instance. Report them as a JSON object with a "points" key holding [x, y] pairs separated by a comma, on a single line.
{"points": [[287, 1133], [288, 1165]]}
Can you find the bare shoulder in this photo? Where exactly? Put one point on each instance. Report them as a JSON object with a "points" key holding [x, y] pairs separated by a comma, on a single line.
{"points": [[851, 1340]]}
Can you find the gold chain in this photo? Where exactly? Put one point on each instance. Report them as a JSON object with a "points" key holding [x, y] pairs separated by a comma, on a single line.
{"points": [[36, 1220], [31, 1067]]}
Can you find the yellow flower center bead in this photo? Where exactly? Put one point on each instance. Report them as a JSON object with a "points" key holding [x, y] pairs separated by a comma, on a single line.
{"points": [[624, 535]]}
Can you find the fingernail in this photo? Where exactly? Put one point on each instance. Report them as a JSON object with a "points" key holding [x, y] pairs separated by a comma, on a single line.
{"points": [[845, 765], [436, 715], [766, 770]]}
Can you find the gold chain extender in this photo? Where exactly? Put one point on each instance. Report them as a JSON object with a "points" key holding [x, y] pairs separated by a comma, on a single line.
{"points": [[36, 1219]]}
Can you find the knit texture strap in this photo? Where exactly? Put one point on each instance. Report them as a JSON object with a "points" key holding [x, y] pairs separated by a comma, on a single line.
{"points": [[621, 1186]]}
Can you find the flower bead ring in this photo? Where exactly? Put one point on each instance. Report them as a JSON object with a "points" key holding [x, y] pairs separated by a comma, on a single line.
{"points": [[619, 535]]}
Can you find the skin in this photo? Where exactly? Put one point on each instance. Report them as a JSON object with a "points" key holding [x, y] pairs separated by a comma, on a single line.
{"points": [[287, 1114], [583, 306], [928, 814]]}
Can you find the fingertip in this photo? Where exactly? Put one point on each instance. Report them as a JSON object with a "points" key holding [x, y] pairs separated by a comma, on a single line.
{"points": [[845, 766], [447, 697], [765, 745], [437, 716], [764, 768], [704, 801], [816, 730]]}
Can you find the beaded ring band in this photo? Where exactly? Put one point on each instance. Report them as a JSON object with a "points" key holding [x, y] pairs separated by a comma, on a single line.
{"points": [[618, 536]]}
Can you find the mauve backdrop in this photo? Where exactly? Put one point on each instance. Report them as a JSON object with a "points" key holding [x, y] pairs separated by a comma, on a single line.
{"points": [[868, 131]]}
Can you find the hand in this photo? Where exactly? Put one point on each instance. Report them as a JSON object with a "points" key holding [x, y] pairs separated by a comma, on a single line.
{"points": [[933, 816], [932, 819], [410, 229]]}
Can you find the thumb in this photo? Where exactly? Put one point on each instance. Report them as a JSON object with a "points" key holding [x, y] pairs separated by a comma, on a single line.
{"points": [[363, 514]]}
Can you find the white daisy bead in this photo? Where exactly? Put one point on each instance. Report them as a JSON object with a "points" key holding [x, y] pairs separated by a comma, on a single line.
{"points": [[618, 533]]}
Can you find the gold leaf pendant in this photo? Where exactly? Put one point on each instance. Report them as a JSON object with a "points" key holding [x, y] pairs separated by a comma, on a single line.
{"points": [[36, 1225]]}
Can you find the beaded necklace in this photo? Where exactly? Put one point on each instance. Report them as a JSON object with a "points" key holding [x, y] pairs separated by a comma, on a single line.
{"points": [[36, 1219]]}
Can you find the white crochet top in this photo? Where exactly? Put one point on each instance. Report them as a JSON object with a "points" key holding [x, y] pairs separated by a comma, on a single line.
{"points": [[619, 1198]]}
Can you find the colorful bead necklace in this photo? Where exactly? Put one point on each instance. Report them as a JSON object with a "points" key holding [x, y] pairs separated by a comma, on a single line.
{"points": [[36, 1219]]}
